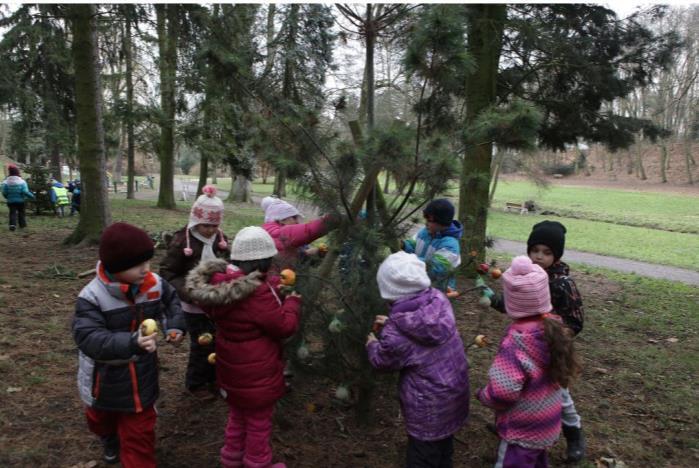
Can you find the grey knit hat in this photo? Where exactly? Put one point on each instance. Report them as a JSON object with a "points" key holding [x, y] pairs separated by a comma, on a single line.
{"points": [[252, 243], [402, 274]]}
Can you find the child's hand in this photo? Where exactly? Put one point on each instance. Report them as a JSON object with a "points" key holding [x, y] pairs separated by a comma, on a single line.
{"points": [[312, 251], [371, 338], [147, 343], [175, 337], [294, 294], [381, 319]]}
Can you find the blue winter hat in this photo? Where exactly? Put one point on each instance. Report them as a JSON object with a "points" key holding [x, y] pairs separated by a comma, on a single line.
{"points": [[440, 211]]}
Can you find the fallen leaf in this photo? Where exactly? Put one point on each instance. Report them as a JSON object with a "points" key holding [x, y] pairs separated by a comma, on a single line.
{"points": [[601, 370], [311, 407], [4, 357], [651, 340], [14, 389], [672, 340], [56, 296]]}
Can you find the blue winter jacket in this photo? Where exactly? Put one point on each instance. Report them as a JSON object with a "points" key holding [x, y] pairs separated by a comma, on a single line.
{"points": [[441, 253], [15, 190]]}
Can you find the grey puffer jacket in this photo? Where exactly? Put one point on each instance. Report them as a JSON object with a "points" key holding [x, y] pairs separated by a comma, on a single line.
{"points": [[114, 373]]}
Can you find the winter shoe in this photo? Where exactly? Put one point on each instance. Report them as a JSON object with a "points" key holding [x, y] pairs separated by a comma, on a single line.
{"points": [[111, 449], [12, 227], [576, 443], [230, 459]]}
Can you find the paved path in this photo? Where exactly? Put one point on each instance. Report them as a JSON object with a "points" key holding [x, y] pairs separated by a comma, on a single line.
{"points": [[650, 270]]}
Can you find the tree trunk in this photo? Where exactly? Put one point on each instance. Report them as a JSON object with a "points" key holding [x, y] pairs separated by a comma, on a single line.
{"points": [[271, 48], [688, 160], [130, 138], [485, 30], [280, 184], [663, 163], [240, 188], [167, 43], [118, 164], [94, 211], [640, 170], [497, 163], [56, 162]]}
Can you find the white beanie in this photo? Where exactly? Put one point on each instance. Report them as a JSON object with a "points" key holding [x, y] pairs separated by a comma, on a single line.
{"points": [[402, 274], [207, 209], [252, 243], [277, 209]]}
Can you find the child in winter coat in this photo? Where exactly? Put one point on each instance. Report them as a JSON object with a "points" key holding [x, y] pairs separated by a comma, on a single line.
{"points": [[290, 237], [15, 190], [437, 244], [419, 338], [535, 359], [545, 248], [58, 195], [252, 320], [200, 240], [118, 365]]}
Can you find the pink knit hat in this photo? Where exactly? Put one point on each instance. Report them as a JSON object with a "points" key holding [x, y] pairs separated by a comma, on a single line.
{"points": [[526, 289], [207, 209]]}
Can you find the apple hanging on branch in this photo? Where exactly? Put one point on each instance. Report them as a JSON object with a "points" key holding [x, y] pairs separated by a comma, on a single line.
{"points": [[205, 339]]}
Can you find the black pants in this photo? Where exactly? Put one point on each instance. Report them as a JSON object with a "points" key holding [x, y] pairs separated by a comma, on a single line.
{"points": [[17, 211], [435, 454], [199, 371]]}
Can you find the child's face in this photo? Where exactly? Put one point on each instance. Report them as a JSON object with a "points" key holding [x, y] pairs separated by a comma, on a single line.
{"points": [[433, 227], [290, 220], [133, 275], [541, 255], [207, 230]]}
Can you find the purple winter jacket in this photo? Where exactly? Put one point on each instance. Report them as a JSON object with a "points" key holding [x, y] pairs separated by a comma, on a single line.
{"points": [[420, 339]]}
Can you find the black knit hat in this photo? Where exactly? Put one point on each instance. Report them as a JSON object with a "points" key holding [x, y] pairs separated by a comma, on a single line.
{"points": [[441, 211], [123, 246], [552, 234]]}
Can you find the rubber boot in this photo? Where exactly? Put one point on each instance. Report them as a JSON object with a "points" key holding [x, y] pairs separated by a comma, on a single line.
{"points": [[575, 441]]}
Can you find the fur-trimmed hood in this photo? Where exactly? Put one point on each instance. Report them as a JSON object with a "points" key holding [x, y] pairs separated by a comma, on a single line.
{"points": [[235, 286]]}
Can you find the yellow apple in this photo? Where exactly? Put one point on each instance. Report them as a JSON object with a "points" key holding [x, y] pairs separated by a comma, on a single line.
{"points": [[148, 327], [481, 341], [205, 339], [212, 358]]}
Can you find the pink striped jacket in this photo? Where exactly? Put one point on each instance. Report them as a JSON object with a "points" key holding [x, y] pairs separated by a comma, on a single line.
{"points": [[527, 403]]}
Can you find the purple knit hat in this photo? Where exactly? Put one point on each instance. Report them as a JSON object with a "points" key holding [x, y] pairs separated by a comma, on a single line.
{"points": [[526, 288]]}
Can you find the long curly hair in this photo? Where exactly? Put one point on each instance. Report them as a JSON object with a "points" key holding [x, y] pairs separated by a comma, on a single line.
{"points": [[565, 365]]}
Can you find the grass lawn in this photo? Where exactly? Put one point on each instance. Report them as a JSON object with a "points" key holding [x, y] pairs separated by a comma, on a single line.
{"points": [[637, 243], [647, 209]]}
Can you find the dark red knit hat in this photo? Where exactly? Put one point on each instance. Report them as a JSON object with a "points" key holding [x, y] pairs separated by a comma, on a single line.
{"points": [[123, 246], [13, 170]]}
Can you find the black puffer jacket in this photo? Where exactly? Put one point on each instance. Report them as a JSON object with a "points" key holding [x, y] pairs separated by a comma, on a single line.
{"points": [[114, 373]]}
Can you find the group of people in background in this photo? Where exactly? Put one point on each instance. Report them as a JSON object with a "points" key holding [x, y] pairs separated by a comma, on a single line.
{"points": [[16, 191], [230, 290]]}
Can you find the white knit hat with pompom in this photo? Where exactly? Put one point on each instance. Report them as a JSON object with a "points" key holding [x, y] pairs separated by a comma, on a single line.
{"points": [[207, 209]]}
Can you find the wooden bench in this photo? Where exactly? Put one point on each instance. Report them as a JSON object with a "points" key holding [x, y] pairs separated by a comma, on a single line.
{"points": [[520, 207]]}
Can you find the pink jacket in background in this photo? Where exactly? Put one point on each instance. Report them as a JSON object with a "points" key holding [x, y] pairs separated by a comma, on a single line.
{"points": [[526, 401], [288, 238]]}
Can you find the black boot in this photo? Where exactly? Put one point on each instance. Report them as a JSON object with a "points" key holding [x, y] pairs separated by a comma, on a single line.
{"points": [[111, 449], [576, 443]]}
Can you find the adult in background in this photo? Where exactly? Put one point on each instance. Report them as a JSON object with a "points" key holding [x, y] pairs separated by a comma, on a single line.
{"points": [[15, 190]]}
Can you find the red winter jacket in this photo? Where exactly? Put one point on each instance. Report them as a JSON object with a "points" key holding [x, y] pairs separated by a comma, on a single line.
{"points": [[252, 319]]}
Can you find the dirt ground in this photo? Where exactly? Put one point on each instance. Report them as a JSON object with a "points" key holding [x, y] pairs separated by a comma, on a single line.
{"points": [[42, 423]]}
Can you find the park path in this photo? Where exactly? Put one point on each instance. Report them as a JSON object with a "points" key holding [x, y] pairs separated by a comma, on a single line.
{"points": [[649, 270]]}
